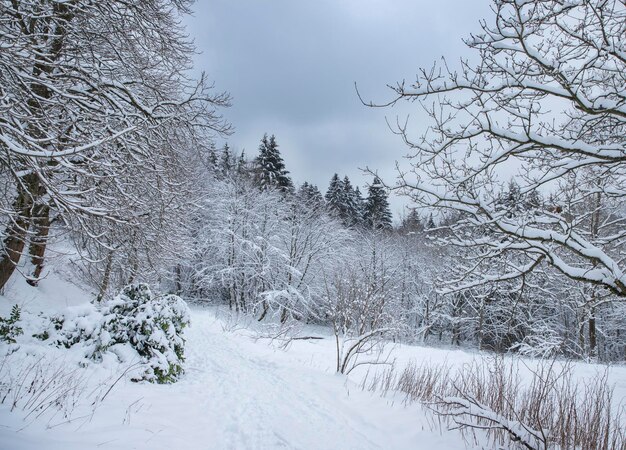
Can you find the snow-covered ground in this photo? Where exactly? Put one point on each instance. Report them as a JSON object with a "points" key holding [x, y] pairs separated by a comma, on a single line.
{"points": [[239, 392]]}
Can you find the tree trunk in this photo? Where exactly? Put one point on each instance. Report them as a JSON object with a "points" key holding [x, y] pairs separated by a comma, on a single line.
{"points": [[179, 281], [595, 232], [106, 277], [266, 308], [481, 324], [581, 335], [592, 333], [283, 315], [39, 242], [29, 188], [17, 230]]}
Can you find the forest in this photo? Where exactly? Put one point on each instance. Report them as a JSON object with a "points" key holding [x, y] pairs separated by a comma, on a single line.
{"points": [[117, 175]]}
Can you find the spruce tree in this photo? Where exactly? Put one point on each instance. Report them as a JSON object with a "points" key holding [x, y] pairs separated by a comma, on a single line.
{"points": [[212, 158], [430, 222], [270, 167], [533, 201], [310, 195], [351, 214], [226, 162], [335, 196], [515, 203], [377, 213], [412, 223], [242, 164], [361, 205], [512, 199]]}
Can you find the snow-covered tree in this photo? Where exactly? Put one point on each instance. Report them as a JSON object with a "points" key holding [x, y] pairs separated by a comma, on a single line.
{"points": [[344, 201], [377, 213], [310, 195], [227, 162], [270, 167], [361, 301], [353, 214], [546, 95], [429, 223], [335, 196], [212, 161], [92, 106], [360, 205], [412, 222]]}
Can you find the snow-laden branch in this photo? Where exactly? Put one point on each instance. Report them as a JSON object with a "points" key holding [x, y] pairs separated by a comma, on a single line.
{"points": [[547, 98]]}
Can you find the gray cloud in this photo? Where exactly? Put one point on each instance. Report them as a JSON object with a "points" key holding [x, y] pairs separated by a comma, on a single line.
{"points": [[291, 67]]}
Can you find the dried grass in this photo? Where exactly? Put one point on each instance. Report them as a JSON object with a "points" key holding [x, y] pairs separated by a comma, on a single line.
{"points": [[549, 408]]}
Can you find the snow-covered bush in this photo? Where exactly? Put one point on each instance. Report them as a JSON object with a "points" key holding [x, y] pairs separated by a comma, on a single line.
{"points": [[361, 304], [151, 325], [9, 329]]}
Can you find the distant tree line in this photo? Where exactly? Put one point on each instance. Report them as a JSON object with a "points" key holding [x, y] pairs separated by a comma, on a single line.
{"points": [[341, 199], [272, 250]]}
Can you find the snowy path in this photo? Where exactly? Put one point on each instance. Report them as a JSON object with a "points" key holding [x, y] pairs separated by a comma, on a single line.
{"points": [[241, 394], [237, 393]]}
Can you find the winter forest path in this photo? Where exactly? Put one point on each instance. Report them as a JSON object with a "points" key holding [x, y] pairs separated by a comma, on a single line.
{"points": [[245, 394], [241, 393]]}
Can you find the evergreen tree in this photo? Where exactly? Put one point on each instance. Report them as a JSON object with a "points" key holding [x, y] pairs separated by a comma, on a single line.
{"points": [[377, 213], [511, 199], [212, 158], [242, 163], [361, 205], [412, 223], [351, 213], [345, 202], [430, 222], [310, 195], [226, 161], [335, 200], [515, 203], [533, 201], [270, 167]]}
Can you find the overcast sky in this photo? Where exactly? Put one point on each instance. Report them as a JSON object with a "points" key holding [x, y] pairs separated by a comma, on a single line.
{"points": [[291, 66]]}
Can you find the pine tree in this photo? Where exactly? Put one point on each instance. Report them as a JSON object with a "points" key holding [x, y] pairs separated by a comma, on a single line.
{"points": [[310, 195], [226, 162], [412, 223], [212, 158], [242, 164], [351, 213], [511, 199], [335, 196], [345, 202], [377, 213], [430, 222], [533, 201], [515, 203], [361, 205], [270, 167]]}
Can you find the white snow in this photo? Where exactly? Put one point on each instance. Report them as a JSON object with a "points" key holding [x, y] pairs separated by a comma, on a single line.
{"points": [[239, 392]]}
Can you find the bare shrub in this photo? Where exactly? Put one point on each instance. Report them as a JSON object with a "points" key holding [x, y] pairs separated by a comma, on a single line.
{"points": [[547, 409], [40, 387]]}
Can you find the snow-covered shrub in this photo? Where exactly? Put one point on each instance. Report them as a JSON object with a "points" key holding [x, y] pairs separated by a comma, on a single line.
{"points": [[150, 324], [361, 304], [543, 342], [9, 329]]}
